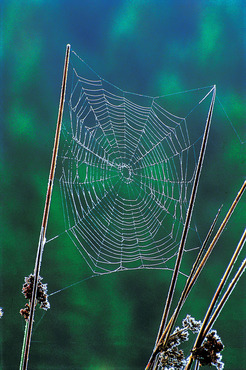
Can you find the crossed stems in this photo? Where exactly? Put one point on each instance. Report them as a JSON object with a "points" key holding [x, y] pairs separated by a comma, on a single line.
{"points": [[207, 324], [185, 229], [210, 320]]}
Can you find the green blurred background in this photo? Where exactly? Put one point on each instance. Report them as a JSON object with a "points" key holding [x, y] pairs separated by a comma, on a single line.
{"points": [[154, 48]]}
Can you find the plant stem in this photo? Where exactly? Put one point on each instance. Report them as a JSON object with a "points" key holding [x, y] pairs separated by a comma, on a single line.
{"points": [[196, 365], [219, 307], [225, 296], [186, 226], [199, 269], [42, 239], [188, 217], [188, 285], [205, 327], [23, 346], [204, 330]]}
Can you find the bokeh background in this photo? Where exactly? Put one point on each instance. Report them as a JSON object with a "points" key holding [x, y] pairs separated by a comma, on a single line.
{"points": [[150, 47]]}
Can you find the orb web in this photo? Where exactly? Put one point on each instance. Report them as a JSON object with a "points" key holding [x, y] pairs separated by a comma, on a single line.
{"points": [[127, 169]]}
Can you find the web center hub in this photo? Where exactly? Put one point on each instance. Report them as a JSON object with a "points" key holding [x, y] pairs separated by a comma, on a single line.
{"points": [[126, 172]]}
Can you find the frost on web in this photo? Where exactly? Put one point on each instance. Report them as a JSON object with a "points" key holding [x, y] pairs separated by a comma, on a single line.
{"points": [[127, 172]]}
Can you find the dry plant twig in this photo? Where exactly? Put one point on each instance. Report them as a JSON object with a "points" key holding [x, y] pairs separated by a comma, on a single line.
{"points": [[166, 333], [42, 238], [210, 320], [186, 227]]}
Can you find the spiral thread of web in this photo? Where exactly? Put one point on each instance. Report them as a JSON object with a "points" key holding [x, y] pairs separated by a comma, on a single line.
{"points": [[127, 171]]}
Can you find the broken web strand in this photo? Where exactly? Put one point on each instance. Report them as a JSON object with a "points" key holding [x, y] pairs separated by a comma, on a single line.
{"points": [[230, 122]]}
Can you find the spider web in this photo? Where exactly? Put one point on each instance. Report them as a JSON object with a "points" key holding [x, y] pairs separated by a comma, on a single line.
{"points": [[127, 167]]}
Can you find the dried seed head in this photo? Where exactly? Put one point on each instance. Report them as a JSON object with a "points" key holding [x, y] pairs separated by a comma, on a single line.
{"points": [[171, 357], [42, 296], [25, 312], [190, 323], [209, 352]]}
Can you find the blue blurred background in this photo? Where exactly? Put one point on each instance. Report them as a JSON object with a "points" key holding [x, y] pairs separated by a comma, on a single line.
{"points": [[150, 47]]}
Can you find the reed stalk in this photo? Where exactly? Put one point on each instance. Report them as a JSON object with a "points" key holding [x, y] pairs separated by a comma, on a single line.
{"points": [[42, 238], [186, 227], [209, 320], [192, 280], [188, 285], [225, 296]]}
